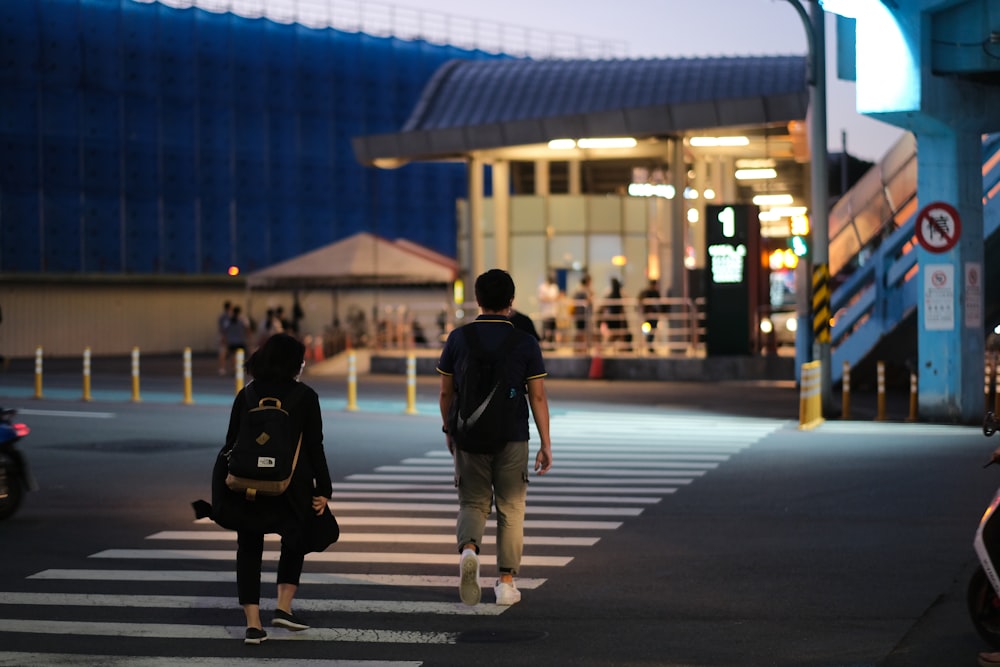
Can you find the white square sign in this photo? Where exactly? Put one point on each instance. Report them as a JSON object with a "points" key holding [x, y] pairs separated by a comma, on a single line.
{"points": [[973, 295], [939, 297]]}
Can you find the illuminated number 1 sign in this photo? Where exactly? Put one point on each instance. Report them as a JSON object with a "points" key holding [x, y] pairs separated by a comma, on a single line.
{"points": [[727, 218], [730, 249]]}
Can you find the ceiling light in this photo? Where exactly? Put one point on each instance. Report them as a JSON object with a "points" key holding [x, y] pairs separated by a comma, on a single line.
{"points": [[773, 200], [711, 142], [755, 163], [755, 174], [607, 142], [666, 191], [562, 144]]}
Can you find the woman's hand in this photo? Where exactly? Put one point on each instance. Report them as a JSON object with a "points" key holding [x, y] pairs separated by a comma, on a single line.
{"points": [[319, 504]]}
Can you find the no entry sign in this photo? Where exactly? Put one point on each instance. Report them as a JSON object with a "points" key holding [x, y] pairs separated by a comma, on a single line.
{"points": [[938, 227]]}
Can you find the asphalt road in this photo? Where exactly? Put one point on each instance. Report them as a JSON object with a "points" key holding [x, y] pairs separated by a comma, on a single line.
{"points": [[847, 545]]}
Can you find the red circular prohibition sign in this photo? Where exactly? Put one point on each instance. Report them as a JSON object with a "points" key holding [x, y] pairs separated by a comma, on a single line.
{"points": [[938, 227]]}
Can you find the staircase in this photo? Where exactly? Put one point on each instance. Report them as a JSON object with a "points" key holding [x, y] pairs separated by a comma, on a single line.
{"points": [[873, 259]]}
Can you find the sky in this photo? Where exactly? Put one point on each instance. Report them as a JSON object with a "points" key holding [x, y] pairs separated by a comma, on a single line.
{"points": [[604, 28]]}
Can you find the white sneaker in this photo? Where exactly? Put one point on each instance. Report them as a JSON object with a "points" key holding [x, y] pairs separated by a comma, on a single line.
{"points": [[507, 593], [468, 571]]}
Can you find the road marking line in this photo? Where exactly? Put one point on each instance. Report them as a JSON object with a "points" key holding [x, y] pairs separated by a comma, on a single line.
{"points": [[450, 509], [610, 490], [205, 602], [594, 459], [431, 522], [181, 631], [425, 538], [625, 420], [324, 557], [582, 468], [554, 477], [537, 496], [20, 659], [314, 578], [65, 413]]}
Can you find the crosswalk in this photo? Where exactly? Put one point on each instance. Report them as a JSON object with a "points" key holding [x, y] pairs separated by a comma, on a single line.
{"points": [[396, 563]]}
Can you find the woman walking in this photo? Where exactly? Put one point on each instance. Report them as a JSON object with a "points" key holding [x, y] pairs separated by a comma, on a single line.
{"points": [[275, 369]]}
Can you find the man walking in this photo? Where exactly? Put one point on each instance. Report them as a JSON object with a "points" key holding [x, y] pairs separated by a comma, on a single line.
{"points": [[485, 471]]}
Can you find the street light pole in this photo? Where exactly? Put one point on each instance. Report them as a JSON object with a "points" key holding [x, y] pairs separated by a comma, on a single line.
{"points": [[814, 23]]}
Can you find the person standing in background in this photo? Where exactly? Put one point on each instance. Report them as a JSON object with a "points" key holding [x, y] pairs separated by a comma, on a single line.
{"points": [[583, 300], [236, 334], [650, 307], [221, 324], [548, 307]]}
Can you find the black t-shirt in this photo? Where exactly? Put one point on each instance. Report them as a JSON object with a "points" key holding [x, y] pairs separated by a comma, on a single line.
{"points": [[524, 362]]}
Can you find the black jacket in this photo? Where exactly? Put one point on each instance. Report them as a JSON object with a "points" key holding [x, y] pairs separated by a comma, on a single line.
{"points": [[289, 513]]}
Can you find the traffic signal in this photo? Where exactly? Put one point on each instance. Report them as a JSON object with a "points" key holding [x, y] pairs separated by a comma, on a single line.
{"points": [[799, 245]]}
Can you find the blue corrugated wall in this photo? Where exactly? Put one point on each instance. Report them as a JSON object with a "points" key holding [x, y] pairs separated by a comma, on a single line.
{"points": [[140, 138]]}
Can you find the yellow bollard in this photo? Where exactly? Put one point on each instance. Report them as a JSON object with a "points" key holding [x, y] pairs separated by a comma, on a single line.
{"points": [[188, 400], [880, 413], [86, 373], [411, 385], [913, 398], [352, 382], [845, 396], [38, 372], [810, 395], [135, 375], [239, 370]]}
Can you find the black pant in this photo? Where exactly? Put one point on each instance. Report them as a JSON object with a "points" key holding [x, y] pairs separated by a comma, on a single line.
{"points": [[249, 558]]}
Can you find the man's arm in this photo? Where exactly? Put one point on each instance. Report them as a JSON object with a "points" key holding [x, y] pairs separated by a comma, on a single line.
{"points": [[540, 411], [445, 398]]}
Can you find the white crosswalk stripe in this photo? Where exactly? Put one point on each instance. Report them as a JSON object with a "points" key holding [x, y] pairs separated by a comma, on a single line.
{"points": [[24, 658], [397, 526]]}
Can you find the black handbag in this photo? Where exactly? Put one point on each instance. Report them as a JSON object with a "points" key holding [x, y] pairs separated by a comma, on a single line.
{"points": [[225, 509], [322, 530]]}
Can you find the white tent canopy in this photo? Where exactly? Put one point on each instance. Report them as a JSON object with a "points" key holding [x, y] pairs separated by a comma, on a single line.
{"points": [[361, 260]]}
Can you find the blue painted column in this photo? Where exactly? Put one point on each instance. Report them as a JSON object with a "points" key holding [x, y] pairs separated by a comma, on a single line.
{"points": [[909, 75], [949, 286]]}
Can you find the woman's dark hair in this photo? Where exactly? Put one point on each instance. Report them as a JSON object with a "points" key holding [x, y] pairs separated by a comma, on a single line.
{"points": [[279, 359], [494, 290]]}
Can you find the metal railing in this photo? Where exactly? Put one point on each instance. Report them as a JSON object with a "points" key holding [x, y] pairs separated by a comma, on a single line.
{"points": [[880, 293], [602, 327], [385, 20]]}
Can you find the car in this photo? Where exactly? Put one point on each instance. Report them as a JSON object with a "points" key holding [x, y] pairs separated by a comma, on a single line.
{"points": [[783, 323]]}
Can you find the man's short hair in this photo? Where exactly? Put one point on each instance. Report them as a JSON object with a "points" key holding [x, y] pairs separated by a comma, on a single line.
{"points": [[494, 290]]}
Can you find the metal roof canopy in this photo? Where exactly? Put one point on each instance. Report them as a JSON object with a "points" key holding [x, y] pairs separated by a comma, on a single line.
{"points": [[474, 106]]}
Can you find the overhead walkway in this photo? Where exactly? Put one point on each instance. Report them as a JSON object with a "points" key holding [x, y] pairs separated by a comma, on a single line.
{"points": [[873, 258]]}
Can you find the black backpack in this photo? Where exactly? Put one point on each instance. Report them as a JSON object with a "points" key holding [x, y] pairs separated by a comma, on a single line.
{"points": [[485, 405], [266, 451]]}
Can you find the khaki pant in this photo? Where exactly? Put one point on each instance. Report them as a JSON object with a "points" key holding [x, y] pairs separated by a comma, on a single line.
{"points": [[483, 478]]}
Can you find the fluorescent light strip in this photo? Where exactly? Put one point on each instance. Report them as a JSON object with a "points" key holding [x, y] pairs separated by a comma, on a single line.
{"points": [[773, 200], [607, 142], [716, 142], [755, 174]]}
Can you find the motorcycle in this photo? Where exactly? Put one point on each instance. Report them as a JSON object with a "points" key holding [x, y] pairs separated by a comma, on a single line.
{"points": [[15, 479]]}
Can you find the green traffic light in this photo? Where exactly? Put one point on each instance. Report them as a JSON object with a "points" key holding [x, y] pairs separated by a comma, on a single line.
{"points": [[799, 246]]}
